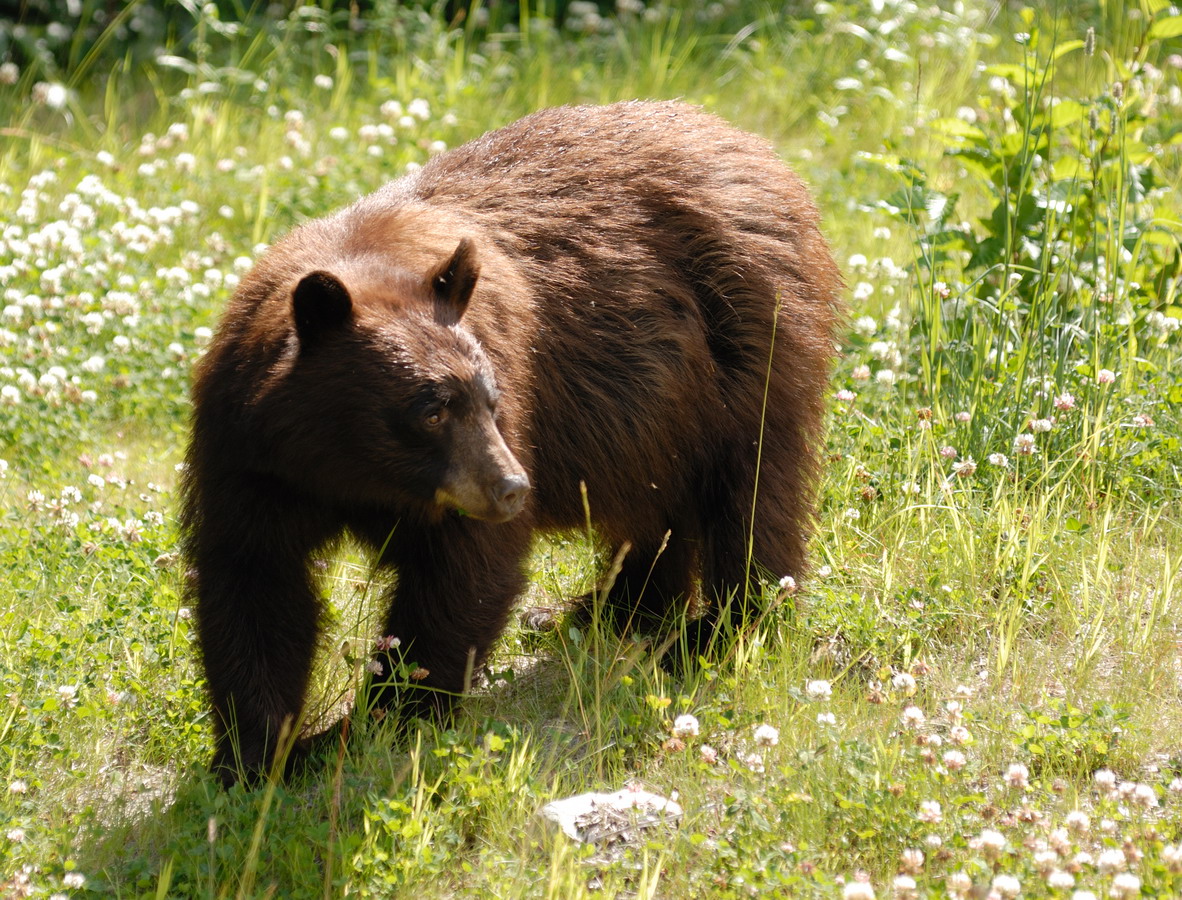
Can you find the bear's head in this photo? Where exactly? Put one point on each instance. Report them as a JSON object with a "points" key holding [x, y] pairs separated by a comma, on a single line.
{"points": [[387, 398]]}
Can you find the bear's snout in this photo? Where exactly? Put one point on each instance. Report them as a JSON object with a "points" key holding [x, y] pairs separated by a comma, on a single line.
{"points": [[508, 495]]}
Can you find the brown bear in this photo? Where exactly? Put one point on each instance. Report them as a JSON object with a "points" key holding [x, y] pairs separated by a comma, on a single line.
{"points": [[636, 298]]}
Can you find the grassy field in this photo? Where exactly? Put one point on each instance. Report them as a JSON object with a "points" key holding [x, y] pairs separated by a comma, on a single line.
{"points": [[976, 693]]}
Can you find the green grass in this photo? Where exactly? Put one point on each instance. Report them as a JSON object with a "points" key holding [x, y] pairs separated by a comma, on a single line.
{"points": [[1008, 221]]}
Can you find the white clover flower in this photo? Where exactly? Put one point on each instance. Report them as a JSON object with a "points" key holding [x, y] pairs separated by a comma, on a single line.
{"points": [[1024, 444], [1126, 885], [826, 718], [1018, 776], [904, 682], [1041, 426], [753, 761], [911, 860], [324, 82], [375, 667], [18, 786], [685, 726], [991, 843], [766, 736], [858, 889], [10, 73], [863, 290], [958, 884], [865, 326], [16, 835], [857, 261], [419, 108], [1058, 880], [53, 95], [860, 373], [73, 879], [998, 459], [708, 754], [1105, 376], [1105, 780], [1171, 856], [904, 887], [68, 694], [1144, 796], [930, 811], [788, 584], [1007, 886], [885, 377], [913, 717], [1045, 859], [963, 468], [818, 690], [1078, 821], [954, 760], [1112, 860], [846, 396]]}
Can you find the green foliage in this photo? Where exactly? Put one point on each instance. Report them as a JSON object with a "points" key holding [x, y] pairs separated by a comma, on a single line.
{"points": [[1063, 739]]}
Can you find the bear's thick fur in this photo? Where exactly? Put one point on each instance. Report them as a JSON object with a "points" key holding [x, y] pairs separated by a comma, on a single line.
{"points": [[634, 297]]}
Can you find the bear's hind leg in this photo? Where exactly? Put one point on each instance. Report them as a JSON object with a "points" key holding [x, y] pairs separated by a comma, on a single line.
{"points": [[655, 581]]}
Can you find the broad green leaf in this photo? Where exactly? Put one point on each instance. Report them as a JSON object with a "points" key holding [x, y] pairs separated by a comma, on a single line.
{"points": [[1018, 74], [956, 128], [1065, 48], [1067, 112], [1169, 27]]}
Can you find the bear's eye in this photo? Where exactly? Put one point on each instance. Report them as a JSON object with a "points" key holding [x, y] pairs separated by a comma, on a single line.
{"points": [[435, 417]]}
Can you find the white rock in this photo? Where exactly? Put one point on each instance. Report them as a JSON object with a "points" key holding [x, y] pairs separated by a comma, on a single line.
{"points": [[597, 818]]}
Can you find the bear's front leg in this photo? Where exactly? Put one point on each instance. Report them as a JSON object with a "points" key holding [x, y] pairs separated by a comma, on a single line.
{"points": [[258, 614], [457, 582]]}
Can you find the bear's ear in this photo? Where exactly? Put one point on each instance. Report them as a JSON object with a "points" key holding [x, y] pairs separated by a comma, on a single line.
{"points": [[453, 282], [319, 303]]}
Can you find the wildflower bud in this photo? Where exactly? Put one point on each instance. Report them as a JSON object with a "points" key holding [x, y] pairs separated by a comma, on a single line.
{"points": [[1118, 91], [1090, 42]]}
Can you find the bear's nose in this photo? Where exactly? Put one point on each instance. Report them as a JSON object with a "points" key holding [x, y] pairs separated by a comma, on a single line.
{"points": [[509, 494]]}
